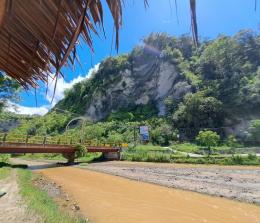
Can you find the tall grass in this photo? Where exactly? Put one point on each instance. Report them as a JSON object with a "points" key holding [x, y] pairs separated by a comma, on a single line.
{"points": [[141, 156], [186, 147], [149, 147], [58, 157], [173, 158]]}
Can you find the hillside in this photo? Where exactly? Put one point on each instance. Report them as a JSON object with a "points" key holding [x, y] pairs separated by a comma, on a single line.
{"points": [[9, 121], [170, 86], [213, 86]]}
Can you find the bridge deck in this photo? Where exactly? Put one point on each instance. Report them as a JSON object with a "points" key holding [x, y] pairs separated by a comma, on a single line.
{"points": [[15, 144]]}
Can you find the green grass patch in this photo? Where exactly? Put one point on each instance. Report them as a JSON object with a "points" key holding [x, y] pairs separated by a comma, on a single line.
{"points": [[4, 158], [89, 157], [142, 156], [193, 148], [147, 153], [148, 147], [5, 169], [160, 157], [39, 201], [4, 172], [186, 147], [41, 156], [219, 160], [224, 149]]}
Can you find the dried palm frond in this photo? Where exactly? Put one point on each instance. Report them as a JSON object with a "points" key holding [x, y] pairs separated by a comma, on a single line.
{"points": [[194, 22], [39, 36]]}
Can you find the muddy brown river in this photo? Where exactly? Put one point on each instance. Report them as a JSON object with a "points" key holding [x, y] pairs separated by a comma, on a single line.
{"points": [[105, 198]]}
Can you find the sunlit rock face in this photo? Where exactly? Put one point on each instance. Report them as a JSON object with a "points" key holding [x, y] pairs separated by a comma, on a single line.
{"points": [[147, 79]]}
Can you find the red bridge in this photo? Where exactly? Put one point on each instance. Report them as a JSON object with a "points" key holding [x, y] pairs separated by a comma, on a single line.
{"points": [[67, 146]]}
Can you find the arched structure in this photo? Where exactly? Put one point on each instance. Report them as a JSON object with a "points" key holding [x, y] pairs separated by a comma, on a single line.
{"points": [[84, 120]]}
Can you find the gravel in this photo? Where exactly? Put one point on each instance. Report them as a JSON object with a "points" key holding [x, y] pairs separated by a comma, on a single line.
{"points": [[239, 183]]}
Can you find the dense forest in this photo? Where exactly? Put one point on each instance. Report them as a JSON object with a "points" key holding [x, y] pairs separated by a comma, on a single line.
{"points": [[223, 76]]}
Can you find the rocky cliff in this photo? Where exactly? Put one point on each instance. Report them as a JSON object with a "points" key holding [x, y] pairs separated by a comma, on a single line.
{"points": [[146, 83], [143, 77]]}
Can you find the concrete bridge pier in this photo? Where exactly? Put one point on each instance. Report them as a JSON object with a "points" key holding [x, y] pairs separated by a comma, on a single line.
{"points": [[70, 157], [112, 155]]}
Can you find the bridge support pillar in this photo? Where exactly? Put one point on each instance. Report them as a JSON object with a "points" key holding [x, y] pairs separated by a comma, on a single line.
{"points": [[111, 155], [71, 158]]}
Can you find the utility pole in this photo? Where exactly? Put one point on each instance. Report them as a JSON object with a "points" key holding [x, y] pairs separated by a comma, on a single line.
{"points": [[134, 136]]}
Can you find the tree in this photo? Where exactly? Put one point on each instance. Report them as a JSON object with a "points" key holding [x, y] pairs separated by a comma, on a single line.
{"points": [[198, 111], [255, 130], [232, 141], [114, 137], [228, 67], [208, 138], [95, 132], [250, 89], [170, 105], [172, 55], [163, 135], [8, 90]]}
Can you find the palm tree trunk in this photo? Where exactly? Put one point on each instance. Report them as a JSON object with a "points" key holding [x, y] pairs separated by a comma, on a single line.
{"points": [[194, 22]]}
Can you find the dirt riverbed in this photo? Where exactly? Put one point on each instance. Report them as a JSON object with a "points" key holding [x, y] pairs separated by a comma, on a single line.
{"points": [[239, 183]]}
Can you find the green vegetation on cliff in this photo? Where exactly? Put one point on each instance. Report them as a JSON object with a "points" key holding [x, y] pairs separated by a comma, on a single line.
{"points": [[224, 74], [222, 77]]}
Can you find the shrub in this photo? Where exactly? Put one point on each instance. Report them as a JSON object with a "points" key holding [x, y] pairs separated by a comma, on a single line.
{"points": [[237, 160], [186, 147], [158, 157], [208, 139], [252, 157], [81, 152], [4, 158], [255, 130], [115, 137], [163, 134], [232, 141]]}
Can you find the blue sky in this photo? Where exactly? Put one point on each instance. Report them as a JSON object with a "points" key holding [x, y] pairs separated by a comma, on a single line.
{"points": [[214, 17]]}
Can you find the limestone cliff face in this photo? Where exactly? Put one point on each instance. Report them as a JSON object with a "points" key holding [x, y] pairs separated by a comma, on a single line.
{"points": [[6, 126], [142, 82]]}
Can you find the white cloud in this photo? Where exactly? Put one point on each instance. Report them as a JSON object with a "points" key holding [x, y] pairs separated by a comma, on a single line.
{"points": [[42, 110], [59, 94], [62, 85]]}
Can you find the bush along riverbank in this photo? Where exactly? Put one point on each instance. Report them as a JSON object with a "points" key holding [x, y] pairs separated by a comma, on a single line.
{"points": [[160, 157]]}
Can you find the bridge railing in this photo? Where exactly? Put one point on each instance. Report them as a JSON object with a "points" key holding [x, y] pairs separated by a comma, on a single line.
{"points": [[55, 140], [29, 139]]}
